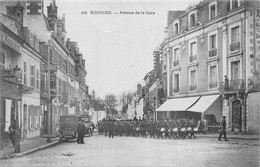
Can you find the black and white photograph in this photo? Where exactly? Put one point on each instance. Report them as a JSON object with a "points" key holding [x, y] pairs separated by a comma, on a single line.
{"points": [[130, 83]]}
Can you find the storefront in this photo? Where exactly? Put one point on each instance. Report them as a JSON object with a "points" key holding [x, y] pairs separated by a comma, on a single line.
{"points": [[199, 107]]}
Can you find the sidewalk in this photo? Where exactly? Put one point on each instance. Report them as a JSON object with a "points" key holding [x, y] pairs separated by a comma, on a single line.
{"points": [[27, 146], [230, 135]]}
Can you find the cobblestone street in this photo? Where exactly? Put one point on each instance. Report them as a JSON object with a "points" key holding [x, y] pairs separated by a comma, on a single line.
{"points": [[130, 151]]}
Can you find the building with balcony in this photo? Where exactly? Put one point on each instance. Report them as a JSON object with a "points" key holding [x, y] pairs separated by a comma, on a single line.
{"points": [[51, 75], [20, 96], [205, 43]]}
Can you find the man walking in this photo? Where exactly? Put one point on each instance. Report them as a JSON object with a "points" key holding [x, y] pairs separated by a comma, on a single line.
{"points": [[223, 129]]}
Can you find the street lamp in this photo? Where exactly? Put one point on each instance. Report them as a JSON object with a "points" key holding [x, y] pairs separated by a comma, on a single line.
{"points": [[17, 135]]}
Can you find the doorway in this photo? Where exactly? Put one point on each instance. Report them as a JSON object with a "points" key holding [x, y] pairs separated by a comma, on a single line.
{"points": [[236, 116]]}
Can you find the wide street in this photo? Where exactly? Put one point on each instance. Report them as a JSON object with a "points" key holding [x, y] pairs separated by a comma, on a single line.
{"points": [[132, 151]]}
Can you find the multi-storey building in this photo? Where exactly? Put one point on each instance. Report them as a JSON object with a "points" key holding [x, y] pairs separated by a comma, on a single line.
{"points": [[152, 89], [205, 43], [20, 100], [51, 75]]}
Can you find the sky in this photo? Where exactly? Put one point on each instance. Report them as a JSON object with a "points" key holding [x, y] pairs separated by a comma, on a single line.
{"points": [[118, 48]]}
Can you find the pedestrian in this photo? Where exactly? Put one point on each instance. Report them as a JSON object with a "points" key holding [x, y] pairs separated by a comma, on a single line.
{"points": [[222, 131], [81, 130], [226, 83], [11, 134]]}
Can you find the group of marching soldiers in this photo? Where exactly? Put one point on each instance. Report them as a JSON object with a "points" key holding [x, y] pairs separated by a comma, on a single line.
{"points": [[171, 129]]}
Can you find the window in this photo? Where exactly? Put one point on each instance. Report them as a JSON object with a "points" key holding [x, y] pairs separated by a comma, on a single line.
{"points": [[176, 87], [193, 51], [24, 73], [2, 61], [212, 77], [37, 79], [176, 57], [234, 39], [176, 28], [235, 4], [32, 76], [235, 70], [192, 20], [212, 45], [193, 80], [212, 11], [235, 34]]}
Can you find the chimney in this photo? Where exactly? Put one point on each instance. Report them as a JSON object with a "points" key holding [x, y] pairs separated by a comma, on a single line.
{"points": [[15, 12]]}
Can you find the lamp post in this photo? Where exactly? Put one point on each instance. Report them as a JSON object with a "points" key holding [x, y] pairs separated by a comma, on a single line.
{"points": [[155, 117], [17, 134]]}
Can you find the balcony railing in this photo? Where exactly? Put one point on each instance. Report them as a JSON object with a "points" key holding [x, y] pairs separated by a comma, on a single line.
{"points": [[213, 52], [175, 63], [234, 46], [176, 90], [193, 87], [232, 86], [213, 85], [193, 58]]}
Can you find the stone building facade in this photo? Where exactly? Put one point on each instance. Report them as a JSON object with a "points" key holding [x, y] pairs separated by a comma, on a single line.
{"points": [[205, 43]]}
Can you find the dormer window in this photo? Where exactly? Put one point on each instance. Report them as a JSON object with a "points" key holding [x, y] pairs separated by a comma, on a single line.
{"points": [[176, 28], [213, 11], [192, 20], [233, 4]]}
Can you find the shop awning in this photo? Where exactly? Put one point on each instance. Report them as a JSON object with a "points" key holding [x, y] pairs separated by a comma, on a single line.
{"points": [[178, 104], [203, 103]]}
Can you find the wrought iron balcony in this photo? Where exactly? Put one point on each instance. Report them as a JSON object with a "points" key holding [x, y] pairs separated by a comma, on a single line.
{"points": [[193, 58], [235, 46], [213, 85], [213, 52], [232, 86], [175, 63], [193, 87]]}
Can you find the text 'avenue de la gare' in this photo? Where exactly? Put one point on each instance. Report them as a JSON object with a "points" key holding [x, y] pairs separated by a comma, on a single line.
{"points": [[91, 12]]}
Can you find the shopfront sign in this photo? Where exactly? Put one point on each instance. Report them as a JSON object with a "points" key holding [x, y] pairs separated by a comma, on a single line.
{"points": [[10, 42], [10, 90], [257, 38]]}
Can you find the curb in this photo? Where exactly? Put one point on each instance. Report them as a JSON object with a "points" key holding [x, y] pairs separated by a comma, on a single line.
{"points": [[232, 137], [16, 155]]}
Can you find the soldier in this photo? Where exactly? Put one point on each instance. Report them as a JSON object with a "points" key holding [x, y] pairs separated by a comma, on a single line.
{"points": [[81, 130], [113, 128], [223, 129]]}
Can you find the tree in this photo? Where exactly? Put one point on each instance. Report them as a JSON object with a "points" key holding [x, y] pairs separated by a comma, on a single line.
{"points": [[111, 102], [125, 99]]}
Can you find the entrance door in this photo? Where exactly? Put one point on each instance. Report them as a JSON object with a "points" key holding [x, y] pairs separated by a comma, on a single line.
{"points": [[236, 116]]}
